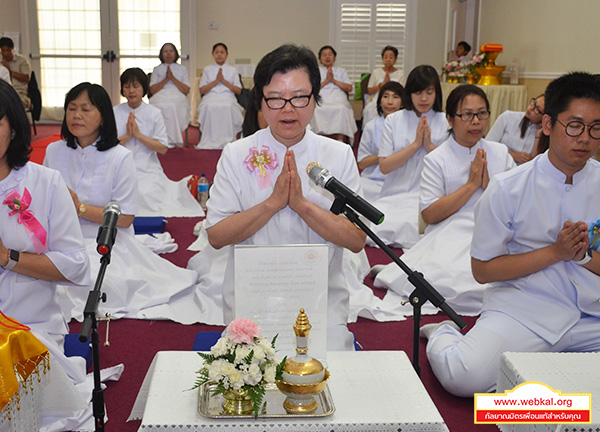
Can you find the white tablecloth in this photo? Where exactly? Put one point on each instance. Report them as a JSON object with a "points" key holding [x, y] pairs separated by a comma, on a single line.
{"points": [[371, 391], [567, 372], [501, 98]]}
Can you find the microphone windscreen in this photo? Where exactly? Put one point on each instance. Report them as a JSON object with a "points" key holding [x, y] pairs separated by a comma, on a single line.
{"points": [[112, 207]]}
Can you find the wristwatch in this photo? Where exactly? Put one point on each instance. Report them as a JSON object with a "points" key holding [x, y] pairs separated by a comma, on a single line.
{"points": [[586, 258], [13, 259], [81, 209]]}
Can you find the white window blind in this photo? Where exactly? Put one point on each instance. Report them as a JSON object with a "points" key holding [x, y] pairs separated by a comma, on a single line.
{"points": [[362, 29]]}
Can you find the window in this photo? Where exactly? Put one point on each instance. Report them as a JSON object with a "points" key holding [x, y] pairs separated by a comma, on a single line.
{"points": [[362, 29]]}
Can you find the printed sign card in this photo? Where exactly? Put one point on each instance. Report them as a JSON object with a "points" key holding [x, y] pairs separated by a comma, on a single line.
{"points": [[272, 283]]}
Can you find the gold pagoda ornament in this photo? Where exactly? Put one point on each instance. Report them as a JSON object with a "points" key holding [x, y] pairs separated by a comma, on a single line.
{"points": [[303, 376], [490, 74]]}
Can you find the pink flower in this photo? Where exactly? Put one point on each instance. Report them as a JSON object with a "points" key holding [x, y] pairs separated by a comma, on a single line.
{"points": [[242, 330]]}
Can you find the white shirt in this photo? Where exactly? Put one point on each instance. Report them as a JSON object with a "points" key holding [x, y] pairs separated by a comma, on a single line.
{"points": [[179, 72], [507, 130], [330, 89], [369, 145], [29, 300], [523, 210], [399, 131], [5, 74], [447, 168], [97, 177], [209, 74], [151, 124]]}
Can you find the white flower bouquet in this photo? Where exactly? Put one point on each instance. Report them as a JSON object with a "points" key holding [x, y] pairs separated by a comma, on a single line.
{"points": [[241, 361]]}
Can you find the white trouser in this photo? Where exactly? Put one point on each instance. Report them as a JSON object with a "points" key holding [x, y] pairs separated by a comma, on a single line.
{"points": [[467, 364]]}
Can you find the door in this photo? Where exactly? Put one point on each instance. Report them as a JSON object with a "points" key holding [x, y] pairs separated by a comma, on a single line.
{"points": [[93, 40]]}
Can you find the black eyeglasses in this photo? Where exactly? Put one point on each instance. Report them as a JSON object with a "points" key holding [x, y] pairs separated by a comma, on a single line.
{"points": [[575, 128], [536, 108], [467, 117], [278, 103]]}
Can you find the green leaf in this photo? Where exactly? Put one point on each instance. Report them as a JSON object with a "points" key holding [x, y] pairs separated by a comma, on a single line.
{"points": [[279, 369]]}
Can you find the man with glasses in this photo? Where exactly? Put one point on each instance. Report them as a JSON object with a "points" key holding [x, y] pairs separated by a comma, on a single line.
{"points": [[520, 131], [536, 241]]}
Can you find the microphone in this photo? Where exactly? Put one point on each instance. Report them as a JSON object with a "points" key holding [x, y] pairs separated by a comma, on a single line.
{"points": [[107, 233], [322, 177]]}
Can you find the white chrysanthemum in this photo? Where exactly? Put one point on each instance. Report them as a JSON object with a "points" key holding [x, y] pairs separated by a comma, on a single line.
{"points": [[221, 348], [269, 374], [241, 352], [266, 346], [217, 369], [254, 375], [259, 353], [236, 378]]}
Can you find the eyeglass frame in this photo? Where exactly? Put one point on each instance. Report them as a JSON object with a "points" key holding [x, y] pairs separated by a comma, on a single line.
{"points": [[536, 108], [473, 115], [285, 101], [585, 126]]}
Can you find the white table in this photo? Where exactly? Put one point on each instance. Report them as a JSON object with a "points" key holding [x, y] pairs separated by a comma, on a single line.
{"points": [[567, 372], [371, 391]]}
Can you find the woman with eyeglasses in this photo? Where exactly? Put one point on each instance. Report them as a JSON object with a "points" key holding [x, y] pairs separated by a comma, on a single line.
{"points": [[520, 131], [219, 113], [262, 194], [408, 135], [453, 179]]}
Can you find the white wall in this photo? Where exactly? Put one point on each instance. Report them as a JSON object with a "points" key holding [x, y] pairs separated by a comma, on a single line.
{"points": [[546, 37], [251, 28]]}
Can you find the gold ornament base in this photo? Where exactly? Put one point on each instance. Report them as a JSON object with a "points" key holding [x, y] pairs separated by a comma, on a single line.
{"points": [[490, 74], [453, 80], [471, 78], [237, 402]]}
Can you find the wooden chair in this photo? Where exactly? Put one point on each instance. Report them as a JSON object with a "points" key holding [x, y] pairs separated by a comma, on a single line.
{"points": [[35, 96]]}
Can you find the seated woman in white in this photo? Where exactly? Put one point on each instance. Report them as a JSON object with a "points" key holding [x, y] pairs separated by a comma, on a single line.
{"points": [[138, 283], [371, 178], [408, 135], [141, 129], [34, 259], [219, 113], [519, 131], [379, 77], [334, 116], [454, 177], [169, 87], [283, 206]]}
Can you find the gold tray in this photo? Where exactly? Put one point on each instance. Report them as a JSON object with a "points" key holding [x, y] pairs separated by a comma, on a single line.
{"points": [[210, 406]]}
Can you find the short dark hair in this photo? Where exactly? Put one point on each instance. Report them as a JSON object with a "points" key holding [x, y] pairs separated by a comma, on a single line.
{"points": [[11, 107], [134, 74], [329, 47], [574, 85], [160, 54], [284, 59], [459, 94], [390, 48], [220, 44], [418, 80], [101, 100], [8, 42], [465, 45], [392, 86]]}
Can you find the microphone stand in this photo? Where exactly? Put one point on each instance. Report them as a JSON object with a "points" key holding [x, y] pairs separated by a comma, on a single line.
{"points": [[423, 290], [90, 322]]}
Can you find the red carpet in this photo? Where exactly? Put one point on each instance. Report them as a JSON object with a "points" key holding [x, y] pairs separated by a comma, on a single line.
{"points": [[134, 343]]}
